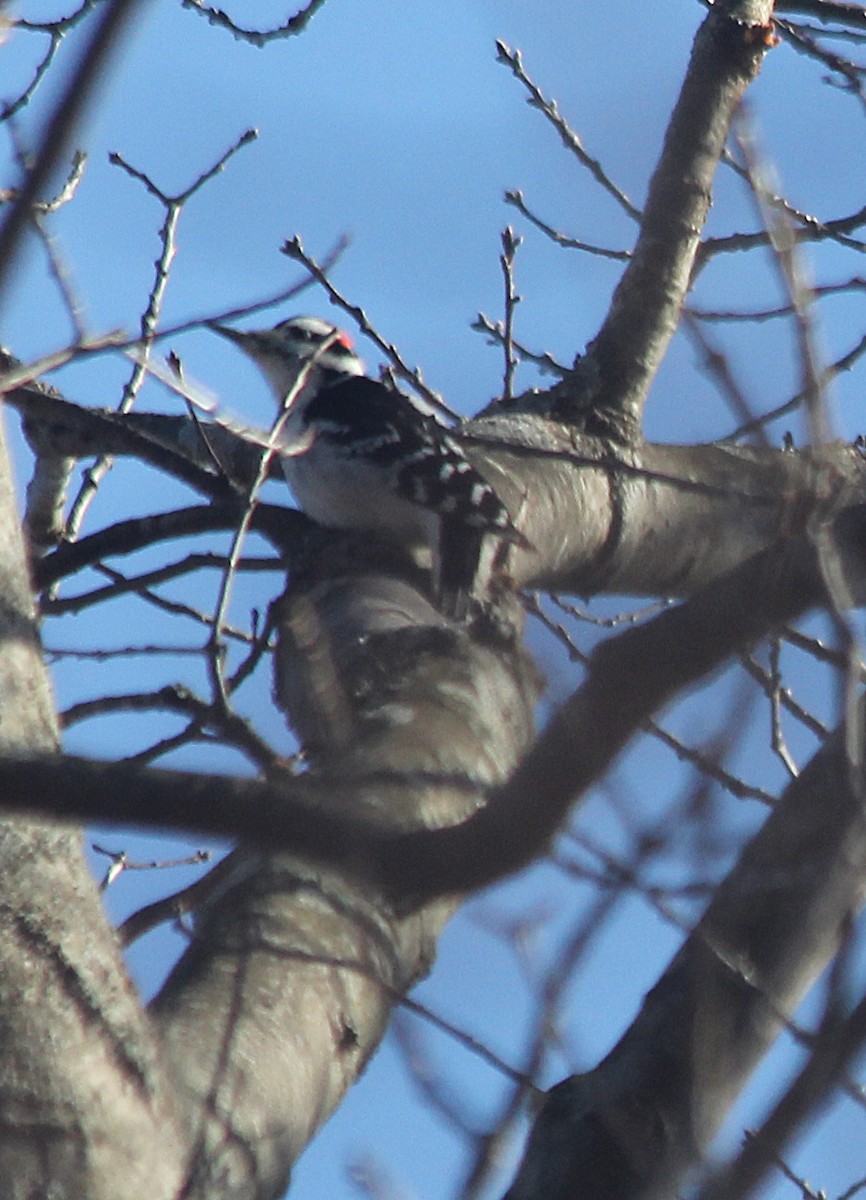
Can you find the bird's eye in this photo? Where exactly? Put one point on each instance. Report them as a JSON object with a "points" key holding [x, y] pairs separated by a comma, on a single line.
{"points": [[297, 333]]}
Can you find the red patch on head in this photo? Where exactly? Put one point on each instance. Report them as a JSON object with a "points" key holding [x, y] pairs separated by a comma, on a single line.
{"points": [[344, 339]]}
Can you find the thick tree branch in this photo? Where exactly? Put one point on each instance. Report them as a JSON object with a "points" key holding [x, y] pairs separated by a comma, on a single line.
{"points": [[608, 388], [360, 823], [351, 816], [632, 1127], [83, 1097], [644, 520], [420, 784]]}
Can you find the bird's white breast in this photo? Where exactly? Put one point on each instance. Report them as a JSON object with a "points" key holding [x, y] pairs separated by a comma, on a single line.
{"points": [[350, 494]]}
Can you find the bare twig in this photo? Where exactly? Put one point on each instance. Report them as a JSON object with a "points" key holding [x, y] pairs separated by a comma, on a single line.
{"points": [[173, 206], [516, 200], [855, 284], [719, 368], [696, 758], [141, 584], [780, 745], [293, 249], [232, 729], [514, 61], [828, 373], [775, 691], [495, 333], [121, 862], [841, 11], [115, 16], [510, 243], [294, 25]]}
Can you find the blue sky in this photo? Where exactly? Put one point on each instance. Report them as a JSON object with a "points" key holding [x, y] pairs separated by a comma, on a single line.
{"points": [[393, 124]]}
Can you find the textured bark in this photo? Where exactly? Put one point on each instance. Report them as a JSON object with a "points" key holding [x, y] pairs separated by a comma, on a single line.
{"points": [[294, 965], [633, 1126], [374, 821], [646, 519], [608, 390], [296, 969], [82, 1098], [654, 519]]}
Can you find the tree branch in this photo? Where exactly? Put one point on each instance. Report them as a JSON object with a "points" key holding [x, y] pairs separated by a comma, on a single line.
{"points": [[341, 816], [610, 385]]}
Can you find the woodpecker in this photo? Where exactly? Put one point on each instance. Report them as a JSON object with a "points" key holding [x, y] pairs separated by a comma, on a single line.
{"points": [[358, 455]]}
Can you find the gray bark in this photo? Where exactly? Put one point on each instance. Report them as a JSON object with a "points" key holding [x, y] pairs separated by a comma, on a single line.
{"points": [[294, 964], [83, 1101], [296, 969], [633, 1126]]}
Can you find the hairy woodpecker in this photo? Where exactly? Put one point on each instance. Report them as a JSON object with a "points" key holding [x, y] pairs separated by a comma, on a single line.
{"points": [[358, 455]]}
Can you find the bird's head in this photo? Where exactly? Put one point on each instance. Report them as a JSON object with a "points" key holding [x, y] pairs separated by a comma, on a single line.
{"points": [[296, 345]]}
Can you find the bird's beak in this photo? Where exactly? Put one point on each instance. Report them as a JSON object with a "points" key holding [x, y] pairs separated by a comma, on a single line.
{"points": [[238, 336]]}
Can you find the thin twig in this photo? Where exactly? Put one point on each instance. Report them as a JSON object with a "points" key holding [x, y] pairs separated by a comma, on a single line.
{"points": [[115, 16], [270, 450], [121, 585], [785, 699], [514, 61], [855, 284], [719, 368], [516, 200], [121, 862], [510, 243], [173, 206], [779, 743], [827, 375], [495, 333], [293, 249], [293, 26]]}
